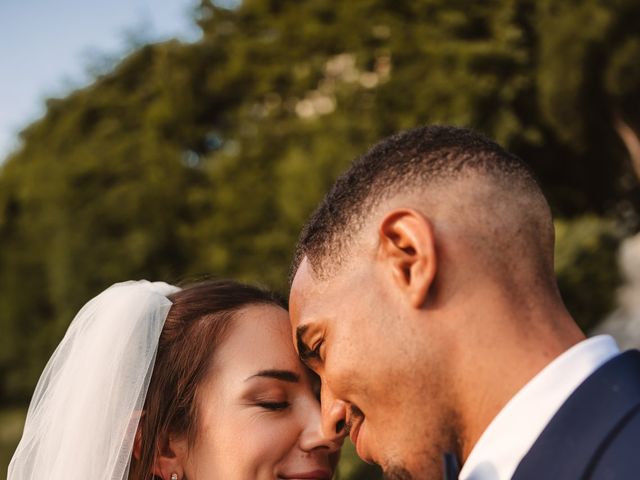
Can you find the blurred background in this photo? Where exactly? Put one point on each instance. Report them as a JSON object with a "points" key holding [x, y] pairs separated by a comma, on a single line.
{"points": [[180, 138]]}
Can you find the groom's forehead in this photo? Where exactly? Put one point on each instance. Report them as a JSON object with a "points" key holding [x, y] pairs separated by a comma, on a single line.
{"points": [[303, 288], [308, 293]]}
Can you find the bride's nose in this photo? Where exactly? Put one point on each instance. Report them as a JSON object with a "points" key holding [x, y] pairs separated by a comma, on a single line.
{"points": [[322, 432]]}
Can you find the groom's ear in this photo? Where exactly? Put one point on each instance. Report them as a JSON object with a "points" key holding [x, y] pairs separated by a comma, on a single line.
{"points": [[407, 249]]}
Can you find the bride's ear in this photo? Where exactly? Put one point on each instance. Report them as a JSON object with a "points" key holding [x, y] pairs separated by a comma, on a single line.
{"points": [[172, 451]]}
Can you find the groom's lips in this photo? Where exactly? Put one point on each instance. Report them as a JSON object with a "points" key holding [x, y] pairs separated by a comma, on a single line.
{"points": [[356, 438]]}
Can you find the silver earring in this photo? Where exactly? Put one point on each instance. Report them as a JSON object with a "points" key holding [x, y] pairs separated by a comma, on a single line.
{"points": [[174, 476]]}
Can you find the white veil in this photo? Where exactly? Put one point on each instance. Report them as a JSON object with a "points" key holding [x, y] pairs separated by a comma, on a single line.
{"points": [[84, 413]]}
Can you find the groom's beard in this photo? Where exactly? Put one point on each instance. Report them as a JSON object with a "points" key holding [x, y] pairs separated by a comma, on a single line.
{"points": [[397, 473], [432, 460], [430, 470]]}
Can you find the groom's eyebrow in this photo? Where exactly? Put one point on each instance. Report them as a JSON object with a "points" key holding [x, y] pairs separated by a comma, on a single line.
{"points": [[284, 375]]}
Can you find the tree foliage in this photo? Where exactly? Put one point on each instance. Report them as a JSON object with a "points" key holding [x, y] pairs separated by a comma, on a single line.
{"points": [[206, 157]]}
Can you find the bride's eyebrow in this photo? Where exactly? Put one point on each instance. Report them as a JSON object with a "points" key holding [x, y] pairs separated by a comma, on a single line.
{"points": [[284, 375]]}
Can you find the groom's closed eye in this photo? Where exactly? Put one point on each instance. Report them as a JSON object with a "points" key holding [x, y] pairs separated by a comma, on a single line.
{"points": [[306, 354]]}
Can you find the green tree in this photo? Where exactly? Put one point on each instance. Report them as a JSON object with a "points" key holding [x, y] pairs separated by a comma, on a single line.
{"points": [[206, 157]]}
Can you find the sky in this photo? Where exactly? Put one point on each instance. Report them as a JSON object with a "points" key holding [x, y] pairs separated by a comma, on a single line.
{"points": [[47, 47]]}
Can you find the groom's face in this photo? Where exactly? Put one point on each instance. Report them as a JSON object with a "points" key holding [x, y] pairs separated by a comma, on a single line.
{"points": [[353, 332]]}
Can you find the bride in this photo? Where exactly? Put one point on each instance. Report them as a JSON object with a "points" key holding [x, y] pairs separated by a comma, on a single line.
{"points": [[155, 382]]}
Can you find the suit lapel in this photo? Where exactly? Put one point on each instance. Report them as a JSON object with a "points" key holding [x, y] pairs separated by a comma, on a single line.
{"points": [[566, 447]]}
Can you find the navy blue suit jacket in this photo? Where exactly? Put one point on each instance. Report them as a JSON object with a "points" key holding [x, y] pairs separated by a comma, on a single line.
{"points": [[596, 433]]}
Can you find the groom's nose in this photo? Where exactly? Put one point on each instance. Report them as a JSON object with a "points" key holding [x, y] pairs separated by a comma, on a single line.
{"points": [[334, 416]]}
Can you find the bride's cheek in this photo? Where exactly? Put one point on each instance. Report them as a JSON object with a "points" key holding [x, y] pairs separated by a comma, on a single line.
{"points": [[251, 443], [278, 437]]}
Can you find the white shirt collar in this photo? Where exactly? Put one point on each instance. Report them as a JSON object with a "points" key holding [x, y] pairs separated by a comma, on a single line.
{"points": [[513, 431]]}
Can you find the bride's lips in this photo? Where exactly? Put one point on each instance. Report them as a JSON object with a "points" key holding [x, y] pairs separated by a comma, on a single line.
{"points": [[313, 475]]}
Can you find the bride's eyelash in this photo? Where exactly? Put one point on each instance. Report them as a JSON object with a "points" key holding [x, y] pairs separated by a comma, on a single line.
{"points": [[274, 406]]}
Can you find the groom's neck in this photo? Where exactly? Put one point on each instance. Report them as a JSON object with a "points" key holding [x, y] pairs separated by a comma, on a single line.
{"points": [[508, 348]]}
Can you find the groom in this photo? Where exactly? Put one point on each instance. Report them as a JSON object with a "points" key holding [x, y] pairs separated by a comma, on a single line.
{"points": [[423, 294]]}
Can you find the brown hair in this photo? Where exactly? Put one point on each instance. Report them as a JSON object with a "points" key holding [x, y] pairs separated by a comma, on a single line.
{"points": [[196, 324]]}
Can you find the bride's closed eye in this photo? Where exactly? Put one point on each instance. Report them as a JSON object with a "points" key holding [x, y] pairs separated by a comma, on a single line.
{"points": [[273, 398], [274, 406], [268, 393]]}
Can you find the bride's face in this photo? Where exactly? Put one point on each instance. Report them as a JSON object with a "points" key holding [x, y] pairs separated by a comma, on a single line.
{"points": [[259, 418]]}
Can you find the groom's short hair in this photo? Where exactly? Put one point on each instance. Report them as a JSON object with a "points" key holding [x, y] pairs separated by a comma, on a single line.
{"points": [[408, 161]]}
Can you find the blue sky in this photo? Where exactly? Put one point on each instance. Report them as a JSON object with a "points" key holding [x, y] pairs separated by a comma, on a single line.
{"points": [[47, 47]]}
